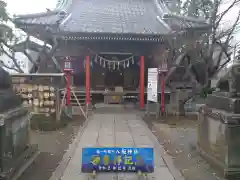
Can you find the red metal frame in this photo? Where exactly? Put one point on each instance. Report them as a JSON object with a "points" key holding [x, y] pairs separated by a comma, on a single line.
{"points": [[162, 69], [162, 92], [68, 72], [141, 83], [87, 80], [68, 84]]}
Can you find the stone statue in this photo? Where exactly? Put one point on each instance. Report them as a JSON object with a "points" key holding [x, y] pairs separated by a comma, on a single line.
{"points": [[8, 98], [15, 147], [230, 80], [220, 118]]}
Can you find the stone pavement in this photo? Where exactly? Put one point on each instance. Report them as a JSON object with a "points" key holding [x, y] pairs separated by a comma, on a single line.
{"points": [[125, 129]]}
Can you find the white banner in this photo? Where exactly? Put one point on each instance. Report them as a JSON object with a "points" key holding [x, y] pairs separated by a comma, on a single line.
{"points": [[152, 90]]}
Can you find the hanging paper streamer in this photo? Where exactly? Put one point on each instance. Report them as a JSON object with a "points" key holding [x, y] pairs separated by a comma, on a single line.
{"points": [[104, 63], [96, 59], [114, 64]]}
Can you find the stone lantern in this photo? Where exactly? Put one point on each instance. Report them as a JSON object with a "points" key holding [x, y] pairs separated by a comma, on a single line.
{"points": [[14, 129]]}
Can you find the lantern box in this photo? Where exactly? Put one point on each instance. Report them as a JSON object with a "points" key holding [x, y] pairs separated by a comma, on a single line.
{"points": [[218, 140], [68, 65], [16, 153], [163, 68], [14, 136]]}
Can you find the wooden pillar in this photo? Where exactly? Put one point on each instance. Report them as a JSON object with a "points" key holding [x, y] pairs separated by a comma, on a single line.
{"points": [[87, 80], [141, 83], [162, 93]]}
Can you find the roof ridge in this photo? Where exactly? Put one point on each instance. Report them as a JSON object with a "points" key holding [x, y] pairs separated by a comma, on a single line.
{"points": [[172, 15], [62, 5], [169, 14], [35, 15]]}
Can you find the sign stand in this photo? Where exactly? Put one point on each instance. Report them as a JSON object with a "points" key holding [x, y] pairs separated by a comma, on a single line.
{"points": [[75, 97], [68, 90], [114, 159], [162, 70], [152, 92]]}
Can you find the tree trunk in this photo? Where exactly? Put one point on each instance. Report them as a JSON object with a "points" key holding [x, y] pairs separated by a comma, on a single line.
{"points": [[181, 108]]}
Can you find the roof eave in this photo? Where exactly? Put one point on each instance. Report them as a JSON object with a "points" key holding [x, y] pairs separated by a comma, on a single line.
{"points": [[27, 26], [111, 36], [36, 15], [19, 23], [41, 19], [191, 19]]}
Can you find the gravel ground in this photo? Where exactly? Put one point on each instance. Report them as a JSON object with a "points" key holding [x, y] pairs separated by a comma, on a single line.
{"points": [[52, 146], [179, 140]]}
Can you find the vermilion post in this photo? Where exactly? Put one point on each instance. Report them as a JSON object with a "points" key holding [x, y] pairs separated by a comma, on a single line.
{"points": [[87, 80], [162, 93], [68, 84], [141, 83]]}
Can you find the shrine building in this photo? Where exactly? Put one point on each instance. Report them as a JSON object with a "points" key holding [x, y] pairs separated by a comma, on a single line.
{"points": [[111, 43]]}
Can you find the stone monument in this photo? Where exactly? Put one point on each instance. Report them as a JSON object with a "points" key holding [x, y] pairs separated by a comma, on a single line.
{"points": [[219, 125], [15, 150]]}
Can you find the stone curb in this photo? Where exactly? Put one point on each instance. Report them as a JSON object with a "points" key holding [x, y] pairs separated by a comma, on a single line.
{"points": [[167, 158], [58, 173]]}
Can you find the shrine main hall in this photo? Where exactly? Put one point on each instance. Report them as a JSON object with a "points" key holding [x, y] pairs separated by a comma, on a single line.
{"points": [[110, 43]]}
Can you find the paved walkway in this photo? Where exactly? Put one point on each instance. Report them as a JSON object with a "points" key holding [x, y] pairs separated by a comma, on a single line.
{"points": [[126, 129]]}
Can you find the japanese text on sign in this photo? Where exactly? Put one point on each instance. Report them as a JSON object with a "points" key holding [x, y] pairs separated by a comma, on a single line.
{"points": [[117, 159]]}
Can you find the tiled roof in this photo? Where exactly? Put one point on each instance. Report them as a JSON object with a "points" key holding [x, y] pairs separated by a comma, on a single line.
{"points": [[138, 17], [115, 16], [177, 23], [50, 17]]}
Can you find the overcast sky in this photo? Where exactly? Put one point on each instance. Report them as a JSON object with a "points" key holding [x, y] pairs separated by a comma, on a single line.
{"points": [[29, 6]]}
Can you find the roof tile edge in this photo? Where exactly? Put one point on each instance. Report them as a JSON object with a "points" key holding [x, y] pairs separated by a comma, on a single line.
{"points": [[172, 15], [36, 15], [62, 5]]}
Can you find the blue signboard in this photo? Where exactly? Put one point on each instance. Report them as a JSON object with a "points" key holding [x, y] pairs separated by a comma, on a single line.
{"points": [[117, 159]]}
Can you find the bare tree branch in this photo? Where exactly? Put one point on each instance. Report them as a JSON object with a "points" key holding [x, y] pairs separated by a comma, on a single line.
{"points": [[220, 16], [26, 53], [50, 54], [2, 64], [224, 46], [12, 57], [225, 32]]}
